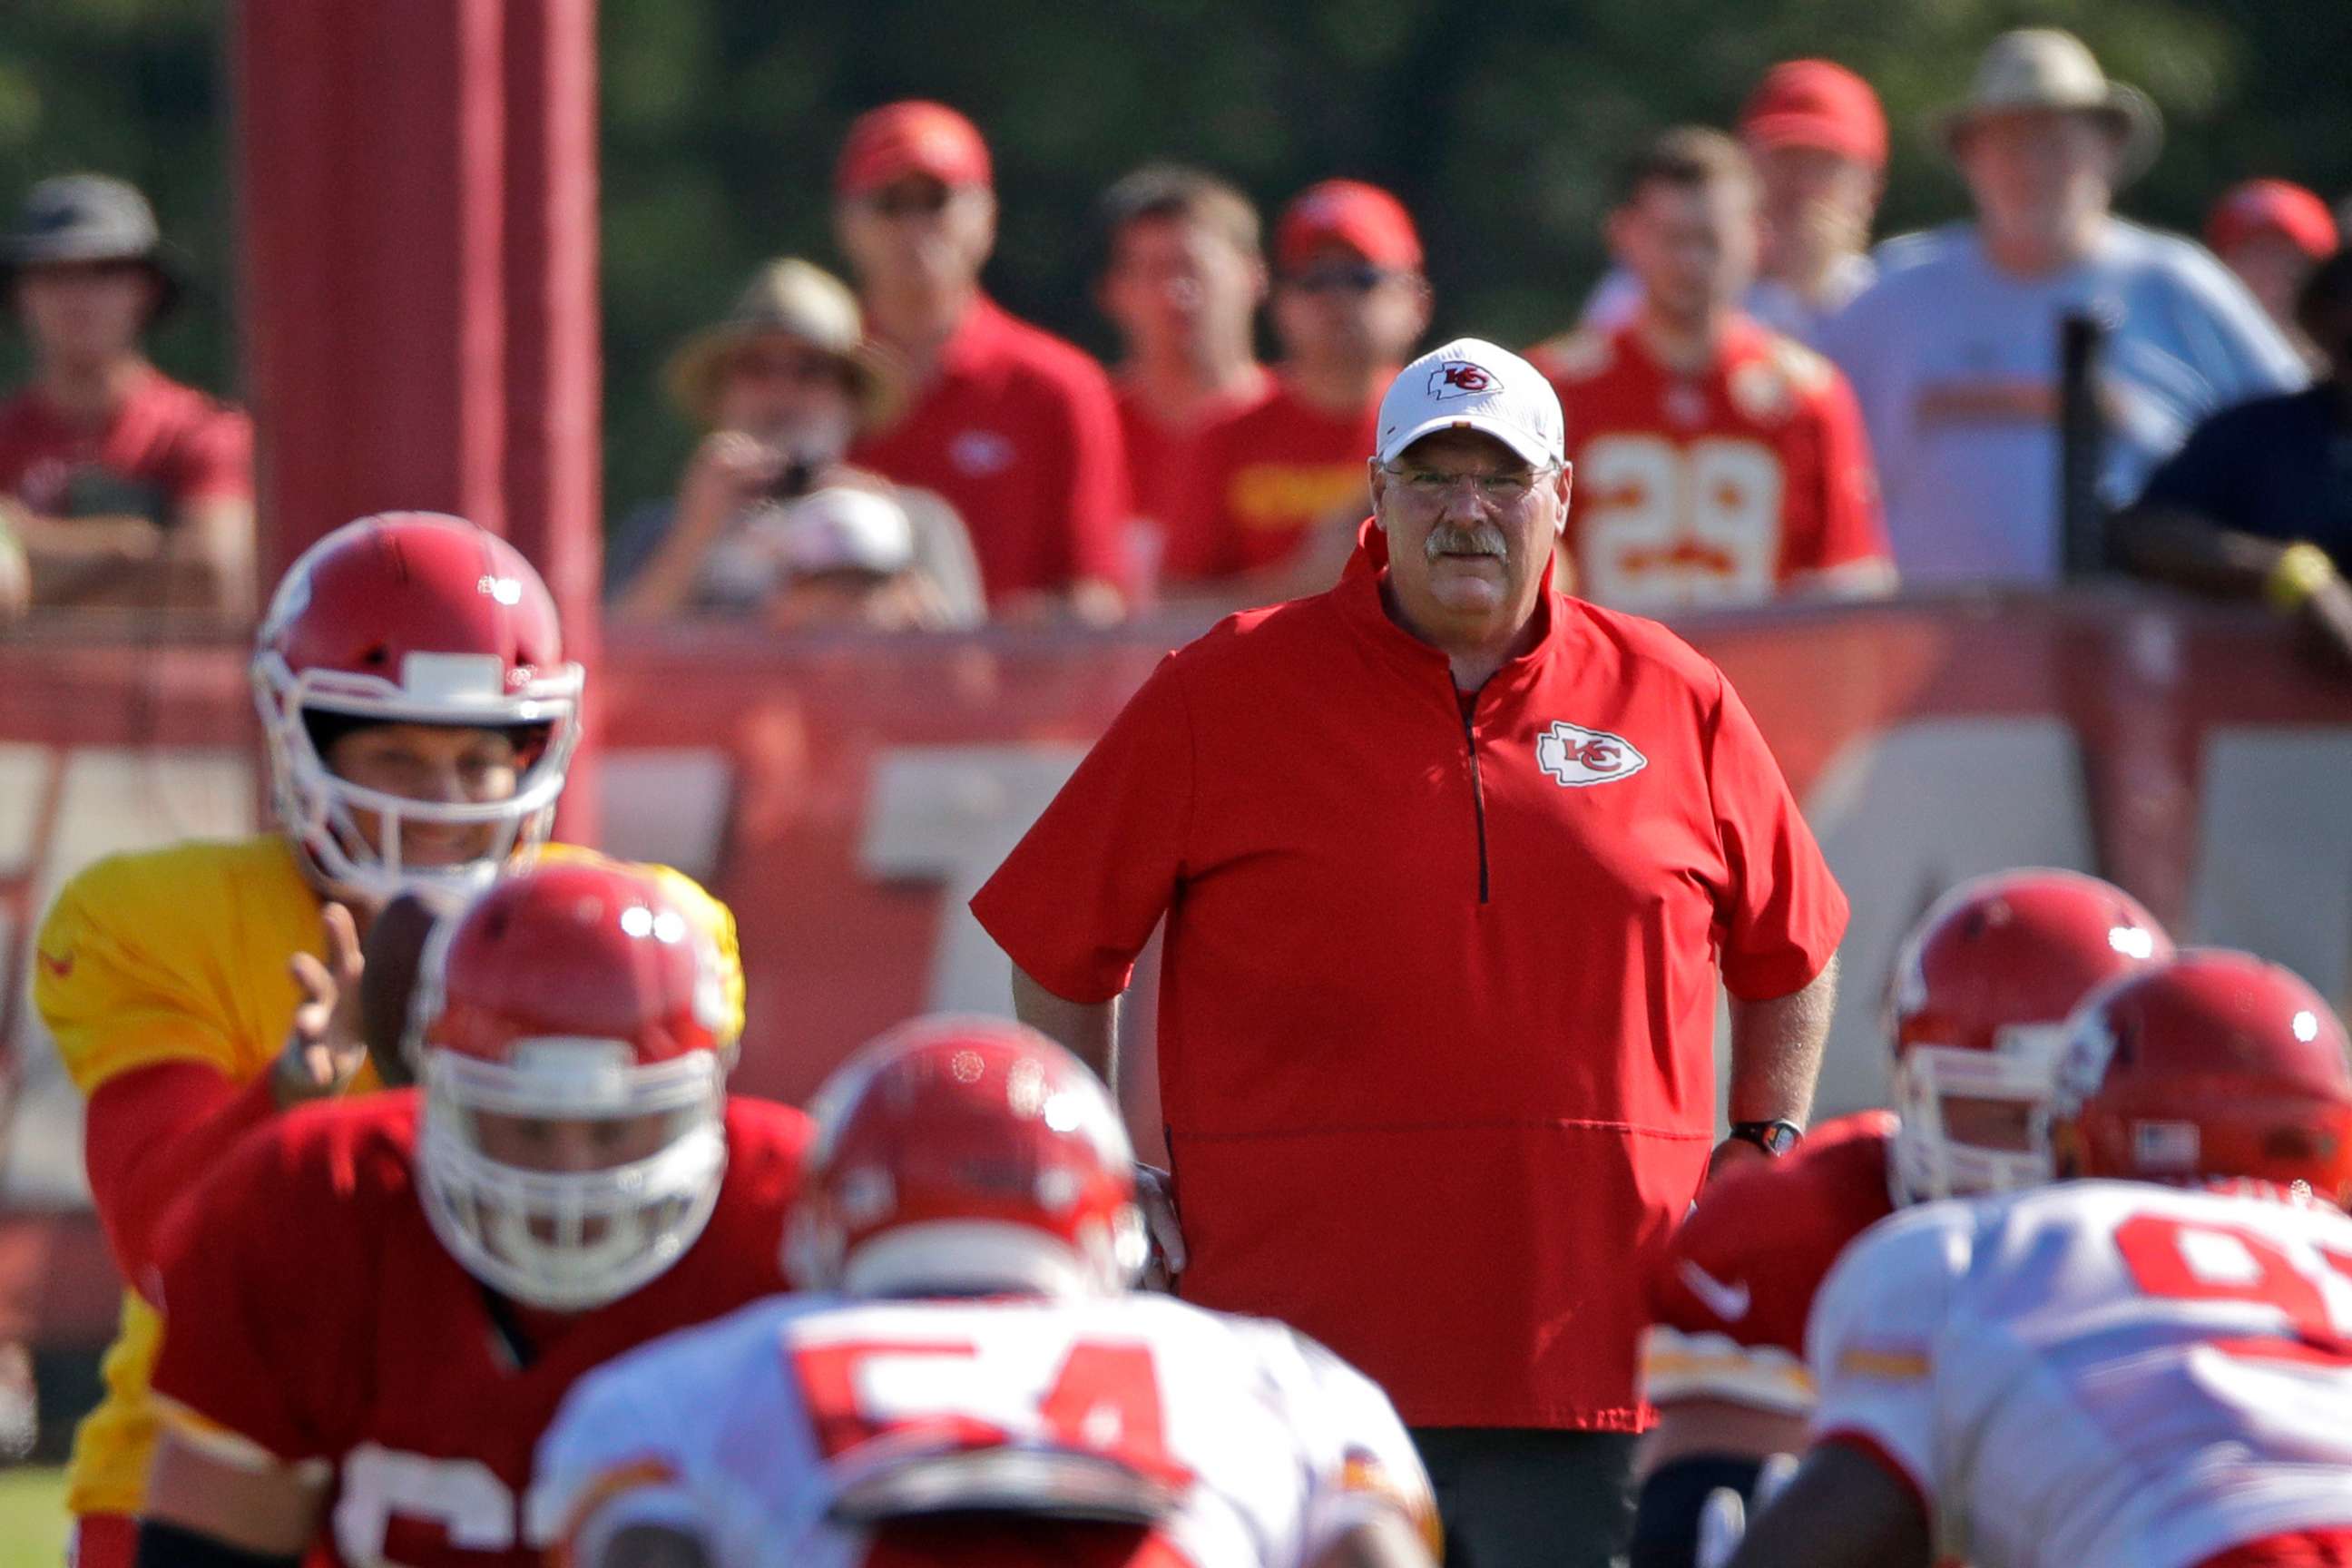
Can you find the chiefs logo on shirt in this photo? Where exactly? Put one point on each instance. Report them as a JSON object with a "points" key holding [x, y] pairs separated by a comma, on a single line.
{"points": [[1576, 757]]}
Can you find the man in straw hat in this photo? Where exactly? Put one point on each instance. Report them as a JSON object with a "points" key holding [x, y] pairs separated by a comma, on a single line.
{"points": [[783, 385], [1954, 353], [117, 484]]}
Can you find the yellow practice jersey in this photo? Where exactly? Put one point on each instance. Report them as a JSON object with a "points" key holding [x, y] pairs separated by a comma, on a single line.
{"points": [[182, 955]]}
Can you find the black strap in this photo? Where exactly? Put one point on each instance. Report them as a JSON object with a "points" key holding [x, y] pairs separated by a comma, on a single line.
{"points": [[166, 1545], [519, 1348]]}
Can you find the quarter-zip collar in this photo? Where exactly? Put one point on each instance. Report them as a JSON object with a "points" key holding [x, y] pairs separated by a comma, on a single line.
{"points": [[1358, 599]]}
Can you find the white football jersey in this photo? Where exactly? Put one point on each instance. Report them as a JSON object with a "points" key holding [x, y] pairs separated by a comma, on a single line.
{"points": [[2100, 1375], [747, 1428]]}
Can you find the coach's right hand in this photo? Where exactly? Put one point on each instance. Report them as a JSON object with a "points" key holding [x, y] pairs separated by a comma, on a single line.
{"points": [[1155, 1195], [324, 1046]]}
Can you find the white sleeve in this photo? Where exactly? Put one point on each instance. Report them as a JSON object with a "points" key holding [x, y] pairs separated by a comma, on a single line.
{"points": [[1872, 1340], [1362, 1463], [616, 1454]]}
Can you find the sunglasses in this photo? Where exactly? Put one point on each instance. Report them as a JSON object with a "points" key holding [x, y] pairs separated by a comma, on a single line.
{"points": [[1359, 278]]}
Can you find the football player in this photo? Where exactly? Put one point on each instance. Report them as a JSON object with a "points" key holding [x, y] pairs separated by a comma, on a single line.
{"points": [[981, 1386], [1982, 987], [374, 1305], [2148, 1369], [419, 715]]}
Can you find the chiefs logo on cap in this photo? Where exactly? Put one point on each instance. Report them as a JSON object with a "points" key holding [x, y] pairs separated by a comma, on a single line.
{"points": [[1460, 378]]}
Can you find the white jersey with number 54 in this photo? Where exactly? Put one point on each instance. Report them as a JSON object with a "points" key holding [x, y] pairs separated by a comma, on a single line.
{"points": [[746, 1428], [2100, 1375]]}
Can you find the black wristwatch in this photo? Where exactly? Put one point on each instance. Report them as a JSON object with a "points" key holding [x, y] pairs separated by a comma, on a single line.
{"points": [[1776, 1138]]}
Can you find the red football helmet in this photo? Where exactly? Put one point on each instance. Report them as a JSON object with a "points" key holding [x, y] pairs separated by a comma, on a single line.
{"points": [[957, 1155], [572, 1028], [413, 618], [2217, 1063], [1979, 1002]]}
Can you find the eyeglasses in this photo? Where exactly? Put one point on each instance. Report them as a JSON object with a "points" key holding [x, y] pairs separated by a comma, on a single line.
{"points": [[926, 198], [1360, 278], [1513, 485]]}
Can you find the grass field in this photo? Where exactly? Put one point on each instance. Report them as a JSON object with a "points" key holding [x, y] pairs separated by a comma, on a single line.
{"points": [[32, 1518]]}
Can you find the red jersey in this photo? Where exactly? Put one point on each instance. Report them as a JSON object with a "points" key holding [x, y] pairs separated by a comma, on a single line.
{"points": [[1726, 487], [1165, 463], [311, 1314], [1017, 431], [1438, 992], [167, 446], [1730, 1296], [1268, 479]]}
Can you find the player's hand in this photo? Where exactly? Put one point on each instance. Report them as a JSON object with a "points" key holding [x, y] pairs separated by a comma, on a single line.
{"points": [[324, 1047], [1155, 1193], [1723, 1517]]}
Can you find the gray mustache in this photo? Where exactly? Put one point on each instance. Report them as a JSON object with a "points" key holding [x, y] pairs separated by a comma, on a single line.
{"points": [[1484, 539]]}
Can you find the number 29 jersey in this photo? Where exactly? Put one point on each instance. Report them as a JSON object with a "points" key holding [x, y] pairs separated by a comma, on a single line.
{"points": [[2100, 1375], [1272, 1447], [1745, 478]]}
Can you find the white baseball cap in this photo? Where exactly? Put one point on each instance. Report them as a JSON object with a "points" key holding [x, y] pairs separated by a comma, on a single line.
{"points": [[1472, 384], [843, 528]]}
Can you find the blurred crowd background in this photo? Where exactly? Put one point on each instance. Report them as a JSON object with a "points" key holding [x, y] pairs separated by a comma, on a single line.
{"points": [[1503, 134]]}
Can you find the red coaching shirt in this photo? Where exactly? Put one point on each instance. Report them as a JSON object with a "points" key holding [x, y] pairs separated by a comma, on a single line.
{"points": [[1017, 430], [1726, 487], [1268, 479], [1438, 997], [167, 446]]}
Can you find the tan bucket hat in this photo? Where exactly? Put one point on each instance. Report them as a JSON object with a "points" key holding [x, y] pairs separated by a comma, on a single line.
{"points": [[2045, 67], [800, 300]]}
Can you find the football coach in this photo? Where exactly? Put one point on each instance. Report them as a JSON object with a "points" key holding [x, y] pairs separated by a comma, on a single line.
{"points": [[1451, 862]]}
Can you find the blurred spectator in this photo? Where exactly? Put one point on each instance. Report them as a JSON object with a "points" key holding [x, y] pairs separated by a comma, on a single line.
{"points": [[2258, 504], [1818, 138], [1716, 461], [1954, 352], [1185, 275], [118, 485], [783, 385], [847, 560], [2271, 234], [1283, 486], [1015, 427]]}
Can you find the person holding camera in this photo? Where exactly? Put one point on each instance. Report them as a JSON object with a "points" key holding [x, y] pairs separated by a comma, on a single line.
{"points": [[782, 385]]}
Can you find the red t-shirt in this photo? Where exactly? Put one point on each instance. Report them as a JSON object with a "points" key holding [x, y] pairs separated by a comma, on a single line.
{"points": [[1437, 1001], [1268, 479], [167, 446], [1726, 487], [311, 1312], [1165, 462], [1741, 1273], [1017, 430]]}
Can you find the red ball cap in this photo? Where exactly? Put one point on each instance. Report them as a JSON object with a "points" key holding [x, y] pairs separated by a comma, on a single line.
{"points": [[1365, 218], [1816, 103], [2272, 207], [913, 136]]}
